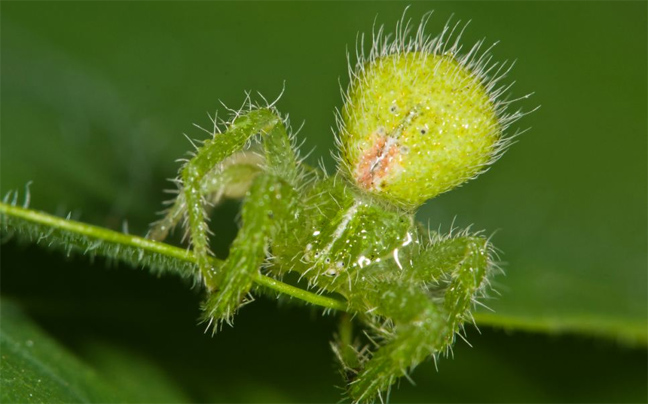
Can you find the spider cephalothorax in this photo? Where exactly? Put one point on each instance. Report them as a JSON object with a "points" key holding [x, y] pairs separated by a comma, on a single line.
{"points": [[419, 119]]}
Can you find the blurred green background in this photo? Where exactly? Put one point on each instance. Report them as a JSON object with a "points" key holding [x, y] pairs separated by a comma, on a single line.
{"points": [[96, 96]]}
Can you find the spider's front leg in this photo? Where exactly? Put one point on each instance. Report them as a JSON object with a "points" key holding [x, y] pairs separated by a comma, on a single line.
{"points": [[209, 171], [428, 306], [270, 204], [229, 179]]}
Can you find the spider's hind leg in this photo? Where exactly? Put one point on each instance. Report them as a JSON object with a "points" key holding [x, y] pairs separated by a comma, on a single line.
{"points": [[459, 269], [429, 305]]}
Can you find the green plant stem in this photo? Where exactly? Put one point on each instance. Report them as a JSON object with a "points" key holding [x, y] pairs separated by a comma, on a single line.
{"points": [[39, 226], [104, 235]]}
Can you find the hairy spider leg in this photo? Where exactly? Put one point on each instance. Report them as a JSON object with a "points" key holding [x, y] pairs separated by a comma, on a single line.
{"points": [[270, 204], [161, 228], [280, 161], [425, 320], [231, 181]]}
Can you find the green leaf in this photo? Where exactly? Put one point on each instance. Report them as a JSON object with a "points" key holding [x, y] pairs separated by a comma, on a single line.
{"points": [[568, 202], [35, 368], [95, 122]]}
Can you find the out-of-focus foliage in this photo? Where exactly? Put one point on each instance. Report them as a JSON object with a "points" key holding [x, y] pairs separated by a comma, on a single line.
{"points": [[95, 97], [35, 368]]}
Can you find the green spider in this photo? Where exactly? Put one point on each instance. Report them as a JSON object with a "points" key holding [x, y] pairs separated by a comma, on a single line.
{"points": [[419, 118]]}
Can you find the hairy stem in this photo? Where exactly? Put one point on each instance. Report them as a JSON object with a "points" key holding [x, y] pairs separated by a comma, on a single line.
{"points": [[134, 250]]}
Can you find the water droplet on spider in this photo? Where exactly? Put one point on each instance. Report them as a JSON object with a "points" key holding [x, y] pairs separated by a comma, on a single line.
{"points": [[331, 272], [363, 261]]}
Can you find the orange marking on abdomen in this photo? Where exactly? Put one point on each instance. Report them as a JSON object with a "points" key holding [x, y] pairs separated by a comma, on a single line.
{"points": [[375, 163]]}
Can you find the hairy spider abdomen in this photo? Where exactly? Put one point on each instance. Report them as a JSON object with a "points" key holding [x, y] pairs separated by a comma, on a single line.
{"points": [[417, 124]]}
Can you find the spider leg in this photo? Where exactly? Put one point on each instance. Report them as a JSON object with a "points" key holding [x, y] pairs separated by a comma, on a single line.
{"points": [[197, 175], [233, 177], [416, 332], [161, 228], [269, 205], [229, 179], [425, 320], [459, 269]]}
